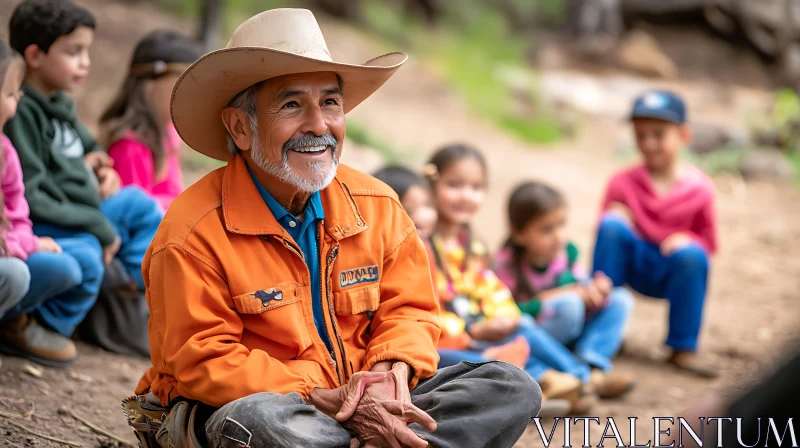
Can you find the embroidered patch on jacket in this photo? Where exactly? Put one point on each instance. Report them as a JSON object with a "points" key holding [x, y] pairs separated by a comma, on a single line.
{"points": [[268, 296], [366, 274]]}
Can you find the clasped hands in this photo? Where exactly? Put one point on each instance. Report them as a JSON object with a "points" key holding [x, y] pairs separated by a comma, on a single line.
{"points": [[376, 407]]}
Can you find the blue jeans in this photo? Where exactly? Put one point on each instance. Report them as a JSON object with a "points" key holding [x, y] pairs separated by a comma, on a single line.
{"points": [[596, 337], [546, 353], [64, 285], [681, 277], [136, 217]]}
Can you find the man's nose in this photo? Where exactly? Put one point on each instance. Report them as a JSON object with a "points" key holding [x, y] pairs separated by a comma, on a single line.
{"points": [[314, 122]]}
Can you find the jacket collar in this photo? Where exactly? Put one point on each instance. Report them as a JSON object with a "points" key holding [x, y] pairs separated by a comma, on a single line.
{"points": [[246, 213]]}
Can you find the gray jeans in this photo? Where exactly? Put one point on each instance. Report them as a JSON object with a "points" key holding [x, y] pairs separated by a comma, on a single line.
{"points": [[14, 281], [474, 405]]}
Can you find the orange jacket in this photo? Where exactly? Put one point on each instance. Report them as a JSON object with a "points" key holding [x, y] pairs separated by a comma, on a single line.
{"points": [[220, 255]]}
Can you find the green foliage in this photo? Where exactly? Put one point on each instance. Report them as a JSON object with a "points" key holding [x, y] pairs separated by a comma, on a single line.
{"points": [[785, 119], [469, 50], [726, 160]]}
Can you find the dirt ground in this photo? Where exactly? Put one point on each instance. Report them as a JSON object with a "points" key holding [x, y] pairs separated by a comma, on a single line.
{"points": [[750, 311]]}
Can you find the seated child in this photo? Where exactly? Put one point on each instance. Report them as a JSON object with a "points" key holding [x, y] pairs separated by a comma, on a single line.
{"points": [[42, 301], [69, 182], [454, 343], [658, 226], [540, 267], [469, 289], [138, 127], [415, 196]]}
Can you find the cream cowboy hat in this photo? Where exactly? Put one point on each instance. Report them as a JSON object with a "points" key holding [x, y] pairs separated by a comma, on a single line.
{"points": [[274, 43]]}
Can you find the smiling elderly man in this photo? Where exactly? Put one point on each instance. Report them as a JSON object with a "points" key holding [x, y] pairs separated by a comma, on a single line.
{"points": [[290, 297]]}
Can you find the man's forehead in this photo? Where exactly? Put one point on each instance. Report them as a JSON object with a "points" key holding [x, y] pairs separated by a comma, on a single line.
{"points": [[301, 82]]}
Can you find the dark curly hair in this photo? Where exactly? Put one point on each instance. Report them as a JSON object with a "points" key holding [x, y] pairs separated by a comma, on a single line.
{"points": [[42, 22]]}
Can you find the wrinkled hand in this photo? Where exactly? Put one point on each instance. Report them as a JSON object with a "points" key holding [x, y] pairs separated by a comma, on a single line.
{"points": [[110, 251], [110, 183], [97, 160], [329, 401], [47, 244], [621, 210], [382, 415]]}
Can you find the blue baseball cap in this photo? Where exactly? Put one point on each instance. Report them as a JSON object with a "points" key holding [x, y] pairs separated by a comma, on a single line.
{"points": [[660, 105]]}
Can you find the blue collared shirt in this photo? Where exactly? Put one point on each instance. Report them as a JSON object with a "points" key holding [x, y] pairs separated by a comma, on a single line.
{"points": [[305, 233]]}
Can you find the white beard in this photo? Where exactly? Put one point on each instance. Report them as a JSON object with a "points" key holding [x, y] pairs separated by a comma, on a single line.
{"points": [[285, 173]]}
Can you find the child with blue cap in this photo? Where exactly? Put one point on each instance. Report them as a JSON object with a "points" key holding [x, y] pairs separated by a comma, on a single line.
{"points": [[657, 229]]}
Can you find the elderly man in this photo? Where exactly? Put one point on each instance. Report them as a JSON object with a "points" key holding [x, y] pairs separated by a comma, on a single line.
{"points": [[290, 297]]}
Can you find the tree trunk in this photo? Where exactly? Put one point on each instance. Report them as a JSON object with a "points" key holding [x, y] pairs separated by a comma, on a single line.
{"points": [[210, 24]]}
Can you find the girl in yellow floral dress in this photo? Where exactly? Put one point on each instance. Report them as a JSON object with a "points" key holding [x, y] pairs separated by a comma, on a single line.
{"points": [[476, 305]]}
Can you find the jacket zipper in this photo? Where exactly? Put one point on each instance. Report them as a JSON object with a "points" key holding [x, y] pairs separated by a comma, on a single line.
{"points": [[332, 254], [324, 324]]}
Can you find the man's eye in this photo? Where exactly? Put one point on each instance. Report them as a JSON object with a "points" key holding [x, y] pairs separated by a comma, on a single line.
{"points": [[331, 101], [290, 105]]}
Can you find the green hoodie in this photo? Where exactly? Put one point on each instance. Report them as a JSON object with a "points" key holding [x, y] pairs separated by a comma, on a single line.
{"points": [[61, 190]]}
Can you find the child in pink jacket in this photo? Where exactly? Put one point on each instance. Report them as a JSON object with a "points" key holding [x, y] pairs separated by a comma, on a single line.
{"points": [[46, 285], [144, 145]]}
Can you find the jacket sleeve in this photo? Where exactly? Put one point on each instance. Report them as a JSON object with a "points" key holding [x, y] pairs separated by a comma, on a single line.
{"points": [[20, 239], [199, 334], [405, 327], [24, 133]]}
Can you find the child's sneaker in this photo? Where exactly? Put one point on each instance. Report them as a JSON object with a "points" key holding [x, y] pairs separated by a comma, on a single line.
{"points": [[25, 338], [693, 363], [612, 384]]}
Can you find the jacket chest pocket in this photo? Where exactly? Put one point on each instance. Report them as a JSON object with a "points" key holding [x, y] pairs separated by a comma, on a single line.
{"points": [[354, 309], [274, 320]]}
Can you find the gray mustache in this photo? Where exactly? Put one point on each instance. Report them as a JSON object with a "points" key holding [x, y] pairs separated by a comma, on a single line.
{"points": [[311, 140]]}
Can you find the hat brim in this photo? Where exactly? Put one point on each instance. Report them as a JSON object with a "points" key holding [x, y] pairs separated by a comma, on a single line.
{"points": [[662, 115], [208, 86]]}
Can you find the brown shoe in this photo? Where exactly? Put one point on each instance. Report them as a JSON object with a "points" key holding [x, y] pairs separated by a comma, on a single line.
{"points": [[25, 338], [612, 384], [693, 363], [585, 400], [557, 384]]}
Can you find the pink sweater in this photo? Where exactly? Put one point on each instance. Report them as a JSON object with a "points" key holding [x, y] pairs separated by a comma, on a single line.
{"points": [[19, 238], [134, 163], [688, 207]]}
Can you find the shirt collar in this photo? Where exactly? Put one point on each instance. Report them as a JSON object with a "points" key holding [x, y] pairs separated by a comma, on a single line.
{"points": [[312, 212]]}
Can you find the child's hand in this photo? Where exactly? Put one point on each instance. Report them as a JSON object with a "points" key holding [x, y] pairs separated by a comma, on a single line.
{"points": [[592, 297], [602, 283], [622, 211], [47, 244], [110, 251], [674, 243], [97, 160], [110, 183]]}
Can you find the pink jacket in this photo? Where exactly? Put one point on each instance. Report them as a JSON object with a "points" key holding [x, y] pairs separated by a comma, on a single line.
{"points": [[687, 208], [134, 163], [19, 238]]}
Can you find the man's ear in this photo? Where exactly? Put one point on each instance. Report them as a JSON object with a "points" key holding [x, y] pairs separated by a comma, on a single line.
{"points": [[33, 56], [238, 127]]}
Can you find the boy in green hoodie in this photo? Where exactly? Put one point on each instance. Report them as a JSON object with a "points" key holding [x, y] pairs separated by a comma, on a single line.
{"points": [[70, 184]]}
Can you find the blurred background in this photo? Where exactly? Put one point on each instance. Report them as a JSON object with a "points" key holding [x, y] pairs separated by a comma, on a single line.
{"points": [[543, 88]]}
